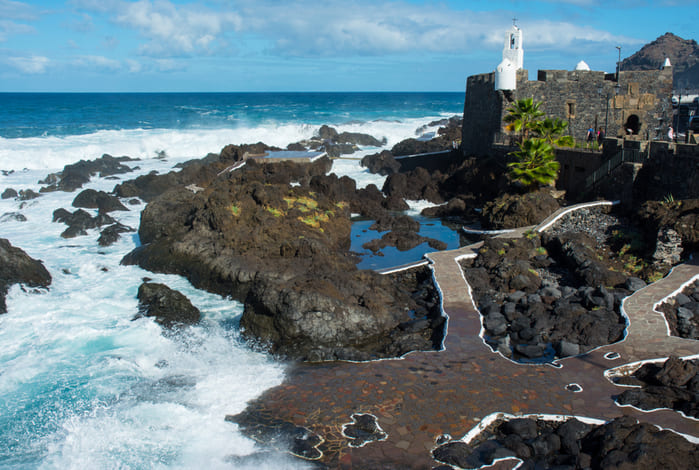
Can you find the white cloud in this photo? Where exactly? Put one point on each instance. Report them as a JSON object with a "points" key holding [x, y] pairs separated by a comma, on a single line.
{"points": [[30, 65], [169, 65], [8, 28], [309, 28], [176, 30], [17, 10], [333, 27], [134, 66], [97, 62]]}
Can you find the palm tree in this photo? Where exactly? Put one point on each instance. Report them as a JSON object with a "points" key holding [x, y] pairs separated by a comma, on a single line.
{"points": [[523, 115], [536, 165], [553, 132]]}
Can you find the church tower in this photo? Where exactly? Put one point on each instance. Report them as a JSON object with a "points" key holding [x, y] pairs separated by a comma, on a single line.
{"points": [[512, 60]]}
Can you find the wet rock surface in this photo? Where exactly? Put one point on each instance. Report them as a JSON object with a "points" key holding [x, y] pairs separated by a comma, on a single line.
{"points": [[448, 133], [280, 435], [282, 250], [17, 267], [672, 384], [622, 443], [335, 144], [9, 193], [92, 199], [363, 430], [169, 307], [75, 175]]}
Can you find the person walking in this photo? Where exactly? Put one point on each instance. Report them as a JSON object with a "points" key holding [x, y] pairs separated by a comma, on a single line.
{"points": [[590, 136]]}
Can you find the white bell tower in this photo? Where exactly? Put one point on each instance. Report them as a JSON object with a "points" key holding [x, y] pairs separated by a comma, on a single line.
{"points": [[512, 60]]}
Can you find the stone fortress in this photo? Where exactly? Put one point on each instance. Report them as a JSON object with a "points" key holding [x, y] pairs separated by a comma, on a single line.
{"points": [[633, 108], [625, 103]]}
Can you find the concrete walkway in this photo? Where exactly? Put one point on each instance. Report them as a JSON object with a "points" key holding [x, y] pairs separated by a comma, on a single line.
{"points": [[427, 394]]}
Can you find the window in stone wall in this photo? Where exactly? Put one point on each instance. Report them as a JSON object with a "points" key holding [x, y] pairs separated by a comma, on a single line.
{"points": [[570, 109]]}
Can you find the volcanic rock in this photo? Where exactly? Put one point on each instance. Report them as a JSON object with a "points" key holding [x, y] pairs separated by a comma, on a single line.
{"points": [[169, 307], [381, 163], [282, 250], [75, 175], [17, 267], [93, 199], [621, 443], [673, 384], [527, 313], [9, 193], [80, 221], [518, 210], [111, 234], [27, 195], [663, 222]]}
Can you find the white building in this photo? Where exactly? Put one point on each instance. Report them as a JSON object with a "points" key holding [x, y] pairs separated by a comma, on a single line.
{"points": [[512, 60]]}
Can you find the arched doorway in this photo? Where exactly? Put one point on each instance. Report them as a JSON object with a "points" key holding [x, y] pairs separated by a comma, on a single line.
{"points": [[632, 125]]}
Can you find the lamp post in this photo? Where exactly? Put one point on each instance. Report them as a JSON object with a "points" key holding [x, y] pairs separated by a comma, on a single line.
{"points": [[618, 64]]}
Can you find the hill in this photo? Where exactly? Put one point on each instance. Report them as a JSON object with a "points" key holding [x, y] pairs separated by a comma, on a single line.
{"points": [[683, 54]]}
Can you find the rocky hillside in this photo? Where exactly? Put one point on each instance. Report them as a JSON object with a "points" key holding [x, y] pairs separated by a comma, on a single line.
{"points": [[683, 54]]}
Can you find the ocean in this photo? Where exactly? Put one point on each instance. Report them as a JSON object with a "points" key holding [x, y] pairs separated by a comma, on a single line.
{"points": [[83, 384]]}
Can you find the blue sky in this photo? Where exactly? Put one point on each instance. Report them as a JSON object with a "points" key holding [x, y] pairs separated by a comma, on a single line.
{"points": [[312, 45]]}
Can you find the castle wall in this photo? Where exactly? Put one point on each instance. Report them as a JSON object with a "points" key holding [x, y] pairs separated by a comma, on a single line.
{"points": [[483, 108], [583, 98]]}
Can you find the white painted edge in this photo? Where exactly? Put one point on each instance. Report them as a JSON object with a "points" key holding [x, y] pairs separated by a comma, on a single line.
{"points": [[344, 426], [584, 205], [689, 437], [486, 232], [624, 370], [404, 267], [233, 167], [441, 152]]}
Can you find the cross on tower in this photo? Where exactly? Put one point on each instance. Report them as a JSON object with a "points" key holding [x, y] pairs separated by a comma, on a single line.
{"points": [[514, 21]]}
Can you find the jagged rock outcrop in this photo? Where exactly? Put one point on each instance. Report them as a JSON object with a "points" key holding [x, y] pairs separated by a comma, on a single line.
{"points": [[9, 193], [335, 143], [518, 210], [282, 250], [447, 135], [169, 307], [80, 221], [75, 175], [382, 163], [17, 267], [92, 199]]}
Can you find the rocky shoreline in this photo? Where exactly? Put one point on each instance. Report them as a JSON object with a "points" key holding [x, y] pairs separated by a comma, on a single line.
{"points": [[276, 237]]}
